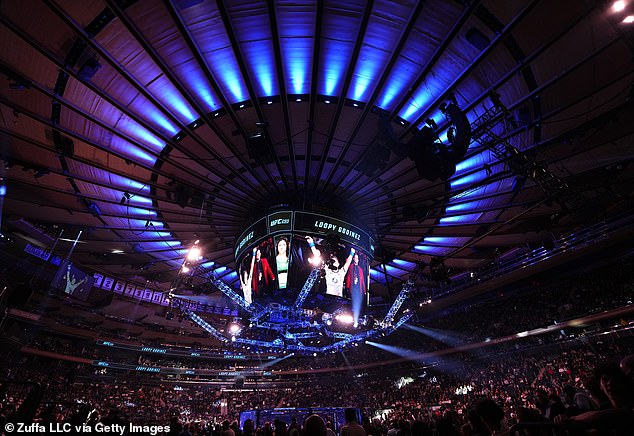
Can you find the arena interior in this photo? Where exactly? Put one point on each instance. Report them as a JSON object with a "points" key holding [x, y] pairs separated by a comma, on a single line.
{"points": [[317, 217]]}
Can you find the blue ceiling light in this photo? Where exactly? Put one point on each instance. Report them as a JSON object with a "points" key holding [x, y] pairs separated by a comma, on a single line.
{"points": [[218, 113], [471, 193], [378, 276], [340, 28], [402, 121], [250, 23], [497, 187], [225, 68], [141, 134], [228, 73], [460, 219], [401, 76], [264, 72], [404, 264], [377, 49], [269, 100], [134, 152], [296, 24], [365, 74], [207, 265], [333, 66], [390, 269], [241, 105], [297, 64], [353, 103], [454, 241], [439, 119], [200, 87], [162, 235], [473, 162], [165, 92], [137, 199], [418, 102], [196, 123], [328, 99], [116, 181], [298, 98], [469, 179], [433, 250], [139, 211], [463, 207], [145, 109], [215, 47], [180, 135], [232, 275]]}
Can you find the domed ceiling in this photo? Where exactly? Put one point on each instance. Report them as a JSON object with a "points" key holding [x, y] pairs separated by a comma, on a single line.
{"points": [[149, 125]]}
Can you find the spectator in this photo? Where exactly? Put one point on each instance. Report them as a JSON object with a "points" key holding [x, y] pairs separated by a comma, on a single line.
{"points": [[314, 426], [611, 384], [492, 416], [352, 427], [226, 428]]}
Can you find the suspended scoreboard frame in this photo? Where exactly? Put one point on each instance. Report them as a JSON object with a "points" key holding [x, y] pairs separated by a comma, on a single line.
{"points": [[305, 223]]}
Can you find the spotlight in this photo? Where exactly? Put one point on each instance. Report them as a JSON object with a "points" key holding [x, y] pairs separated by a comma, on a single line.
{"points": [[345, 318], [194, 254], [234, 328], [618, 6]]}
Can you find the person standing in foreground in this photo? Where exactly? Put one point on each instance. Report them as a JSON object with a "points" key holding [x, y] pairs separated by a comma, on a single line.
{"points": [[352, 427]]}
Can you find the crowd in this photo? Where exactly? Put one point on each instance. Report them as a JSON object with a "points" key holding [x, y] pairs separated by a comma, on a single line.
{"points": [[570, 381], [529, 386]]}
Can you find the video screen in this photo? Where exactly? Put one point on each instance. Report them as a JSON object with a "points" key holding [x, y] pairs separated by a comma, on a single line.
{"points": [[73, 282], [279, 266]]}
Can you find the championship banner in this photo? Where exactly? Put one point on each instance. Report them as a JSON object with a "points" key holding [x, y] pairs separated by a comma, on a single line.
{"points": [[107, 284]]}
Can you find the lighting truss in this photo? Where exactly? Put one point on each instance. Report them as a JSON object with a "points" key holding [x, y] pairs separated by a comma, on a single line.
{"points": [[400, 299], [233, 295], [283, 320], [277, 343], [483, 133], [310, 282], [205, 325]]}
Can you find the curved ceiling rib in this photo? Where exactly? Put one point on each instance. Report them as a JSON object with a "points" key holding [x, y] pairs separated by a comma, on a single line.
{"points": [[161, 100]]}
